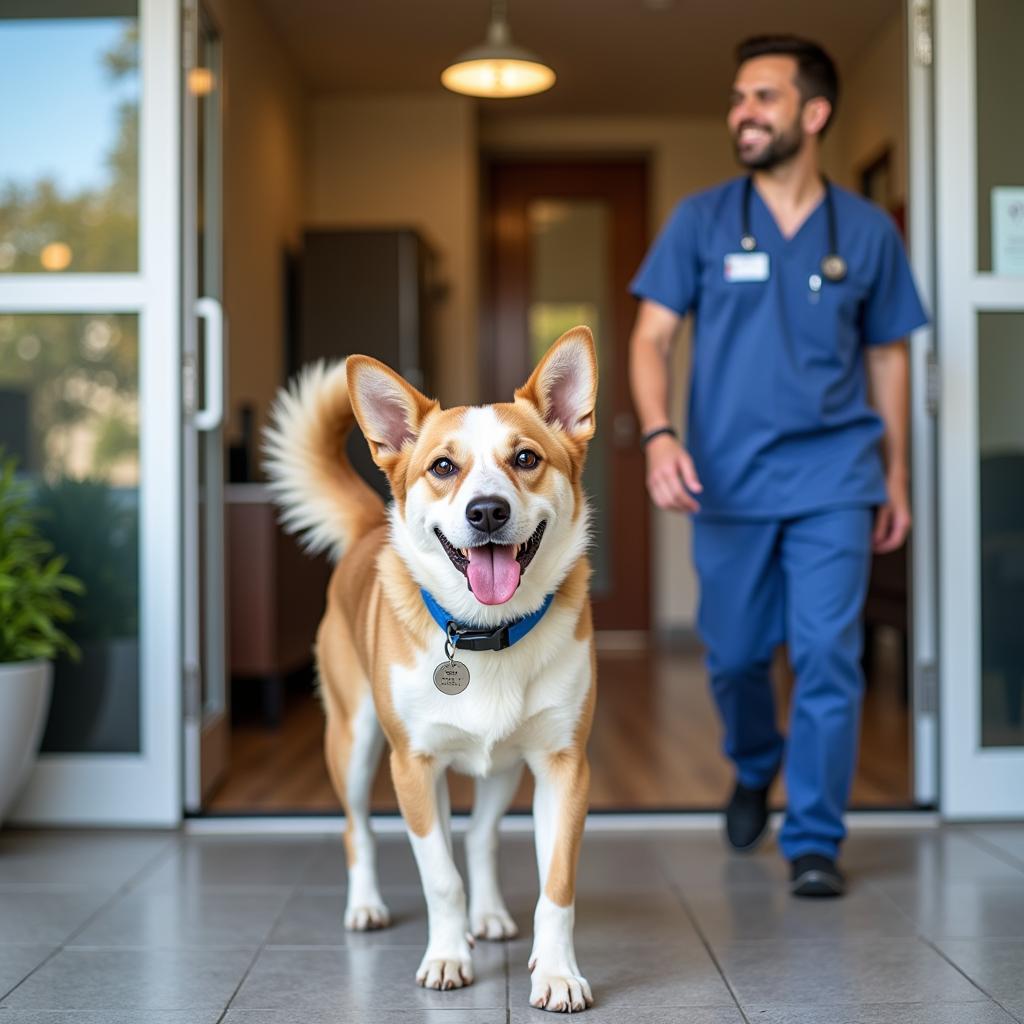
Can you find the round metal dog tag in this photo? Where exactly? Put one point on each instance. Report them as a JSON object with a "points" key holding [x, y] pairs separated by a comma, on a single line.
{"points": [[451, 677]]}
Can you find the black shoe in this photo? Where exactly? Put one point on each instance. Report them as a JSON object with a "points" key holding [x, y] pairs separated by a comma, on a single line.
{"points": [[746, 818], [816, 875]]}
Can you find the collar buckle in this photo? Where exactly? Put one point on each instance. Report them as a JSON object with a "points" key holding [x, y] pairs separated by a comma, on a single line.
{"points": [[468, 639]]}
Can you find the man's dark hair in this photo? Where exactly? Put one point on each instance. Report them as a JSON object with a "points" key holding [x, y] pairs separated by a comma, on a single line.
{"points": [[815, 71]]}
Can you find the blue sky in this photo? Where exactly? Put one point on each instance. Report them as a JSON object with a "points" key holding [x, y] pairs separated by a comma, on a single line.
{"points": [[58, 106]]}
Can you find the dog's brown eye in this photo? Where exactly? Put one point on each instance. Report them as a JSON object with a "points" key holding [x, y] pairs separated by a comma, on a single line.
{"points": [[443, 467], [527, 459]]}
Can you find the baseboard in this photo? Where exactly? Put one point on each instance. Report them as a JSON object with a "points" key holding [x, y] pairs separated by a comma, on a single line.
{"points": [[629, 822]]}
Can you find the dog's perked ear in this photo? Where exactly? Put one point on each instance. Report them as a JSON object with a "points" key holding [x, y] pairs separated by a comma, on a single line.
{"points": [[563, 386], [387, 407]]}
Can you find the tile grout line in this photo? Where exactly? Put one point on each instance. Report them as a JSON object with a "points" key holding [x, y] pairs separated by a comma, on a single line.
{"points": [[508, 987], [981, 843], [295, 886], [922, 937], [956, 967], [1010, 1013], [292, 889], [242, 980], [996, 851], [879, 891], [684, 903], [121, 890]]}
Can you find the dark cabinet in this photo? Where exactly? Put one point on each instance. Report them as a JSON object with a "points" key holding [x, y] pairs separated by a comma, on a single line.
{"points": [[370, 292]]}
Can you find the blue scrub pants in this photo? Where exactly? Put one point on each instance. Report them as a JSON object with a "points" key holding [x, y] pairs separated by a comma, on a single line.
{"points": [[801, 581]]}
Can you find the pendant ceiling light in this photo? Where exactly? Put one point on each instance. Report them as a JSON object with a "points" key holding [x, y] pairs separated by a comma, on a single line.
{"points": [[497, 69]]}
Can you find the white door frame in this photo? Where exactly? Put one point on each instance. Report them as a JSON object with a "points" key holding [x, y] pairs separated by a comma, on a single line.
{"points": [[921, 238], [207, 725], [143, 788], [977, 781]]}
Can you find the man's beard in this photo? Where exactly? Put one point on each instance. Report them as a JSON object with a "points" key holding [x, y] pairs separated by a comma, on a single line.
{"points": [[780, 148]]}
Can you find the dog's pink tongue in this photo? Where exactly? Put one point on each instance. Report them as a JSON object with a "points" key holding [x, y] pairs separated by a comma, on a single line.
{"points": [[493, 573]]}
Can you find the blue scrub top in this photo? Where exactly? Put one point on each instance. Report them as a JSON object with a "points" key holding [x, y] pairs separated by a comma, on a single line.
{"points": [[779, 422]]}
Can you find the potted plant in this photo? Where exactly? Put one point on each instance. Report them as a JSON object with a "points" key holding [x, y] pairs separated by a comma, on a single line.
{"points": [[33, 586]]}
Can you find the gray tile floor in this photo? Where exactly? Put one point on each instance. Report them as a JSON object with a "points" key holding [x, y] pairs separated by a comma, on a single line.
{"points": [[123, 928]]}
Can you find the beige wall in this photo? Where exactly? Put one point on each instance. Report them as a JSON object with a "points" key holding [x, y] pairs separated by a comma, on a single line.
{"points": [[873, 109], [408, 161], [265, 152]]}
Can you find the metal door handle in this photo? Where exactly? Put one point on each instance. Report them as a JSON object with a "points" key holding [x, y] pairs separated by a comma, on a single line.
{"points": [[211, 415]]}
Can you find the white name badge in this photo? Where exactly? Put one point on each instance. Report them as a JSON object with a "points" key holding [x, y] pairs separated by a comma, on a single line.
{"points": [[746, 266]]}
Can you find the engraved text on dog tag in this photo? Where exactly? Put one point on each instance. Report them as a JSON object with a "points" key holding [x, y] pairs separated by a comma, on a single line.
{"points": [[451, 677]]}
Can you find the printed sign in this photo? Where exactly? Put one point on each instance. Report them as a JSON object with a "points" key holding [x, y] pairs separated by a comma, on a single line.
{"points": [[1008, 231]]}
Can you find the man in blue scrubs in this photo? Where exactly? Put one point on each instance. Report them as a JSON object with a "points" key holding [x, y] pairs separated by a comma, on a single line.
{"points": [[795, 465]]}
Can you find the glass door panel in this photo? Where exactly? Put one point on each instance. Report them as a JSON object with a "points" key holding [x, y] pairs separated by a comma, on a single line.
{"points": [[89, 382], [1001, 537], [981, 432], [69, 413], [1000, 160], [69, 162]]}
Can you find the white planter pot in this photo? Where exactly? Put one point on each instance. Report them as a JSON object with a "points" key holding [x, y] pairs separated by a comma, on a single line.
{"points": [[24, 701]]}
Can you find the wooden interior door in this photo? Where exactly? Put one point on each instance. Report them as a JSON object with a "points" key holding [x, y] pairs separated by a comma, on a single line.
{"points": [[563, 241]]}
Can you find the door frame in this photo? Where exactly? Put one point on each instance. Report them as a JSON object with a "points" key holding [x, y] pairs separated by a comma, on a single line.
{"points": [[142, 788], [513, 182], [923, 611], [977, 781], [207, 717]]}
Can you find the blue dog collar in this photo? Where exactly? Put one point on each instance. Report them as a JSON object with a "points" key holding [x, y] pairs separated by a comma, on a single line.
{"points": [[470, 638]]}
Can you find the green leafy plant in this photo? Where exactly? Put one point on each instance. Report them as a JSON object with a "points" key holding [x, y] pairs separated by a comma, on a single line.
{"points": [[33, 584]]}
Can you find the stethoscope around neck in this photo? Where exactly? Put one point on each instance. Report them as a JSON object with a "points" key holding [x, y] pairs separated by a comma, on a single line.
{"points": [[833, 266]]}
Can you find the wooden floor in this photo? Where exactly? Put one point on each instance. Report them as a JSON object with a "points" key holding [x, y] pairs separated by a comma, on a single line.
{"points": [[655, 745]]}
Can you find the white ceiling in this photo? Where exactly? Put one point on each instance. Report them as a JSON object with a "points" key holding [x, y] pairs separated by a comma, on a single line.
{"points": [[611, 56]]}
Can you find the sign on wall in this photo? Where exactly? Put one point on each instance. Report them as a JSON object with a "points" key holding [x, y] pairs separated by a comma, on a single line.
{"points": [[1008, 231]]}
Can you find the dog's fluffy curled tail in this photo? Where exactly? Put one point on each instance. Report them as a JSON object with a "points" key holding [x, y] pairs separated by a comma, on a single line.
{"points": [[322, 498]]}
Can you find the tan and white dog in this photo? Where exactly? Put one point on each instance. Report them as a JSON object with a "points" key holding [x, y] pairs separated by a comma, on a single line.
{"points": [[489, 519]]}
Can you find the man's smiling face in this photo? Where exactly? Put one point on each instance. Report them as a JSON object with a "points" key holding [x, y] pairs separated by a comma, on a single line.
{"points": [[765, 112]]}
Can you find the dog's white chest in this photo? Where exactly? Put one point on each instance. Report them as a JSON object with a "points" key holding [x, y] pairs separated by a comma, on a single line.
{"points": [[511, 706]]}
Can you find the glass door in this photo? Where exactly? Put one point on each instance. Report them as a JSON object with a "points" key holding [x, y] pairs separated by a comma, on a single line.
{"points": [[980, 234], [89, 372], [207, 717]]}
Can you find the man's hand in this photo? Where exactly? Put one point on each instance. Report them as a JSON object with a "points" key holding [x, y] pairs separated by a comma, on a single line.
{"points": [[888, 373], [892, 521], [669, 467]]}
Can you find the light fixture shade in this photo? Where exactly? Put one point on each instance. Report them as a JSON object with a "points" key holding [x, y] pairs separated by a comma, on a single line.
{"points": [[498, 69]]}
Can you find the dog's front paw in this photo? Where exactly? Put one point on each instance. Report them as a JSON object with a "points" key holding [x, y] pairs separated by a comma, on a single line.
{"points": [[560, 992], [494, 923], [366, 917], [444, 973]]}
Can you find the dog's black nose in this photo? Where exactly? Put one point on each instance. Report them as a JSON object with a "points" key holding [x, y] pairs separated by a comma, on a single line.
{"points": [[489, 513]]}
